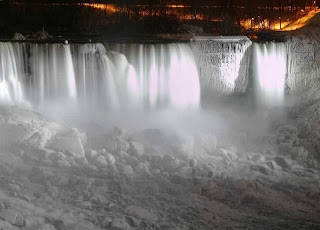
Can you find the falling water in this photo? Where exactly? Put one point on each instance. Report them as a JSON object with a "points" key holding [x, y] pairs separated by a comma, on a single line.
{"points": [[166, 73], [269, 71], [10, 74], [97, 75]]}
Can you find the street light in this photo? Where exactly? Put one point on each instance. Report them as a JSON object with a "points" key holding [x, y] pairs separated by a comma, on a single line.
{"points": [[280, 22]]}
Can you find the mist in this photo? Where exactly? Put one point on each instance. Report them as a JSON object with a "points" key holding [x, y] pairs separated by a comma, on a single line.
{"points": [[156, 136]]}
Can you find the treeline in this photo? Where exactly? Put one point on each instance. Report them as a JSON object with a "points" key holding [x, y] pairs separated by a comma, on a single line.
{"points": [[139, 16]]}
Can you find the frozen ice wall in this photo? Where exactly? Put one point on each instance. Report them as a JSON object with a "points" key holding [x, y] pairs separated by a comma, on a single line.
{"points": [[223, 64], [303, 64]]}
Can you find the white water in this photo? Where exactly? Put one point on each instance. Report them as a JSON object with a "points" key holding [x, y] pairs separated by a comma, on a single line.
{"points": [[166, 73], [91, 76], [128, 76], [269, 69], [10, 74]]}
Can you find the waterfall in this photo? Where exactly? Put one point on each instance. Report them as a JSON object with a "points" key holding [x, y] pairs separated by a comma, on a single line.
{"points": [[110, 76], [269, 69], [11, 81], [165, 73], [52, 74]]}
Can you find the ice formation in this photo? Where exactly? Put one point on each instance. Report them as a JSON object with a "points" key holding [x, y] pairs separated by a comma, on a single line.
{"points": [[223, 64]]}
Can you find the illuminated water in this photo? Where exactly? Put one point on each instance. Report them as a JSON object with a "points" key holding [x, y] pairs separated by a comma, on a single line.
{"points": [[135, 76], [269, 71], [92, 76]]}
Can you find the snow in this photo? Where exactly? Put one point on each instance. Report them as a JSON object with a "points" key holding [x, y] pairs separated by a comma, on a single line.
{"points": [[234, 166], [133, 187]]}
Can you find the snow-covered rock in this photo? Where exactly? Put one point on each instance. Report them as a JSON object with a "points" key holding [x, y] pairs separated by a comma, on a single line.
{"points": [[119, 224], [91, 154], [137, 148], [100, 161], [18, 37], [19, 125], [109, 158], [68, 142], [140, 213], [122, 145], [13, 217]]}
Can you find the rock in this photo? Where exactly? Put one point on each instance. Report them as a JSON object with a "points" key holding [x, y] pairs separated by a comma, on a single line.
{"points": [[111, 145], [53, 191], [177, 178], [13, 217], [133, 222], [14, 188], [84, 205], [68, 142], [18, 37], [133, 161], [233, 156], [127, 170], [100, 161], [46, 227], [156, 171], [248, 198], [119, 225], [4, 225], [118, 132], [2, 207], [109, 158], [260, 169], [229, 155], [63, 163], [122, 154], [106, 222], [140, 213], [290, 129], [137, 148], [143, 168], [210, 174], [217, 194], [91, 154], [239, 185], [81, 161], [287, 138], [42, 35], [56, 156], [169, 163], [98, 199], [299, 153], [224, 154], [270, 164], [281, 162], [122, 145]]}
